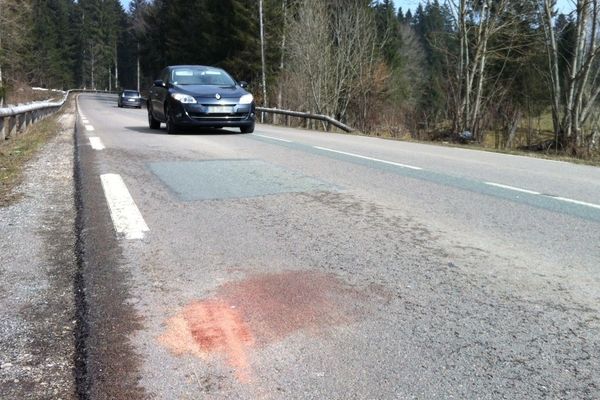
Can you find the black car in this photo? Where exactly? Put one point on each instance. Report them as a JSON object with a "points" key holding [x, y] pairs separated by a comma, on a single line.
{"points": [[130, 98], [196, 95]]}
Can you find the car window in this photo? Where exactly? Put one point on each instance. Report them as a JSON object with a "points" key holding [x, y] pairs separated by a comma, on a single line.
{"points": [[131, 93], [200, 76]]}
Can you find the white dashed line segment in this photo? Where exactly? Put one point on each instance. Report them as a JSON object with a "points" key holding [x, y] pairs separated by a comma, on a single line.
{"points": [[581, 203], [89, 128], [516, 189], [369, 158], [96, 143], [565, 199], [273, 138], [126, 217]]}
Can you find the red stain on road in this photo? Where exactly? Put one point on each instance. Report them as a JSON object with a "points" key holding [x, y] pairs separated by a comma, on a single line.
{"points": [[259, 310], [211, 326]]}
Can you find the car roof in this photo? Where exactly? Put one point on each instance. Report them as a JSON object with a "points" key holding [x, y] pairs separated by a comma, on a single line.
{"points": [[192, 66]]}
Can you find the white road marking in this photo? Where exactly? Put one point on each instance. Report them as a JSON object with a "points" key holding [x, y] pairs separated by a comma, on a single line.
{"points": [[96, 143], [274, 138], [516, 189], [565, 199], [126, 217], [369, 158], [89, 128], [581, 203]]}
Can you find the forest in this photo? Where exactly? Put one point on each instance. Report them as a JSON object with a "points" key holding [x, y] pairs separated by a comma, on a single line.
{"points": [[507, 74]]}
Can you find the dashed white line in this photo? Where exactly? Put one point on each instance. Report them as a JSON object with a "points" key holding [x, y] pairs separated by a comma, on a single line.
{"points": [[369, 158], [89, 128], [581, 203], [126, 217], [516, 189], [96, 143], [565, 199], [274, 138]]}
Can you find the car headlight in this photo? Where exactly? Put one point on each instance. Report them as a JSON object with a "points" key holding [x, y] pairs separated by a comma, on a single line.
{"points": [[184, 98], [246, 99]]}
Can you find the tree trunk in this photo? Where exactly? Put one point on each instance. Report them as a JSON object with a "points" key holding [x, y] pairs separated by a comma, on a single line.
{"points": [[281, 61], [513, 129], [262, 56], [138, 66], [116, 71]]}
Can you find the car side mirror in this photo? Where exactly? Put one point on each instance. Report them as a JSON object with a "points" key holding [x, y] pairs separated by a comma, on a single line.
{"points": [[159, 83], [243, 84]]}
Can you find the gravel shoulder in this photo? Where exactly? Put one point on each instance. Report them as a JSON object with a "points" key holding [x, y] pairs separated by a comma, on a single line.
{"points": [[37, 269]]}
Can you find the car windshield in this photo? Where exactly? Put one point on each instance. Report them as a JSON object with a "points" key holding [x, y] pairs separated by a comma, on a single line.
{"points": [[131, 93], [201, 76]]}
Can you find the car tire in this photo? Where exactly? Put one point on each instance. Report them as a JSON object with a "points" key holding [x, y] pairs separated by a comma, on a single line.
{"points": [[172, 128], [247, 129], [153, 123]]}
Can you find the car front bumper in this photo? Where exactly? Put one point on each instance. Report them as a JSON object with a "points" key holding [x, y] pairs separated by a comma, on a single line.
{"points": [[241, 115], [131, 102]]}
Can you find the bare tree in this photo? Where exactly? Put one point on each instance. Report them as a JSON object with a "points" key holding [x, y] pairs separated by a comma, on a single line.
{"points": [[262, 56], [477, 22], [138, 11], [333, 46], [574, 99]]}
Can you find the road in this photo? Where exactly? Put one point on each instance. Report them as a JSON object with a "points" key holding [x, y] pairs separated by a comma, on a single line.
{"points": [[290, 264]]}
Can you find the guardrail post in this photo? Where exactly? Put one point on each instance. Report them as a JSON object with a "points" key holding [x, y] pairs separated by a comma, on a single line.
{"points": [[12, 126], [2, 129], [18, 124], [26, 120]]}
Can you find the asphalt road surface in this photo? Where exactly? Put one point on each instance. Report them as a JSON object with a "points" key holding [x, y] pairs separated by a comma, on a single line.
{"points": [[290, 264]]}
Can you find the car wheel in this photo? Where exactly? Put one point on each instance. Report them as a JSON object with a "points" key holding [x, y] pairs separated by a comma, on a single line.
{"points": [[172, 128], [247, 129], [153, 123]]}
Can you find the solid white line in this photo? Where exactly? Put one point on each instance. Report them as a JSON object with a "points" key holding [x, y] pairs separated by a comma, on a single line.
{"points": [[369, 158], [126, 217], [89, 128], [274, 138], [96, 143], [581, 203], [516, 189]]}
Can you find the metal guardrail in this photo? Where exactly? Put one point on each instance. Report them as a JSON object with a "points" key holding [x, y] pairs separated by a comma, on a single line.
{"points": [[15, 119], [317, 117]]}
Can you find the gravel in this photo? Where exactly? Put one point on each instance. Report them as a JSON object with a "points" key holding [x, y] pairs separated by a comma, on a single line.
{"points": [[37, 267]]}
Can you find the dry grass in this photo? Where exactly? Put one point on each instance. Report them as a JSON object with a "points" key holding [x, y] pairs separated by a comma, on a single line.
{"points": [[15, 152]]}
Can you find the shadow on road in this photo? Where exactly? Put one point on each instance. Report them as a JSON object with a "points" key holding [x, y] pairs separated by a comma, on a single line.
{"points": [[184, 131]]}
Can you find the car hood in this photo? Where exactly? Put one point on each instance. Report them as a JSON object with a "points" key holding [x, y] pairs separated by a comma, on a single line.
{"points": [[209, 91]]}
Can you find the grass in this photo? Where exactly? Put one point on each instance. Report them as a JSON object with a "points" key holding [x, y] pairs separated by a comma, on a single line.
{"points": [[16, 152]]}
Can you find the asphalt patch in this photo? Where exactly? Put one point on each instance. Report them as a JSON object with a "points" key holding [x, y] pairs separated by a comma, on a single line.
{"points": [[227, 179]]}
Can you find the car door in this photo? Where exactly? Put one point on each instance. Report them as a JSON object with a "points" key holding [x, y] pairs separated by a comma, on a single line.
{"points": [[158, 95]]}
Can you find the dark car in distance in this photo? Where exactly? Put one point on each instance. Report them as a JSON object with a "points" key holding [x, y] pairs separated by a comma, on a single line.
{"points": [[199, 96], [130, 98]]}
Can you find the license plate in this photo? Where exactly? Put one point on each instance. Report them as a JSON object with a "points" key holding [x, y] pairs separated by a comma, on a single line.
{"points": [[131, 99], [220, 109]]}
